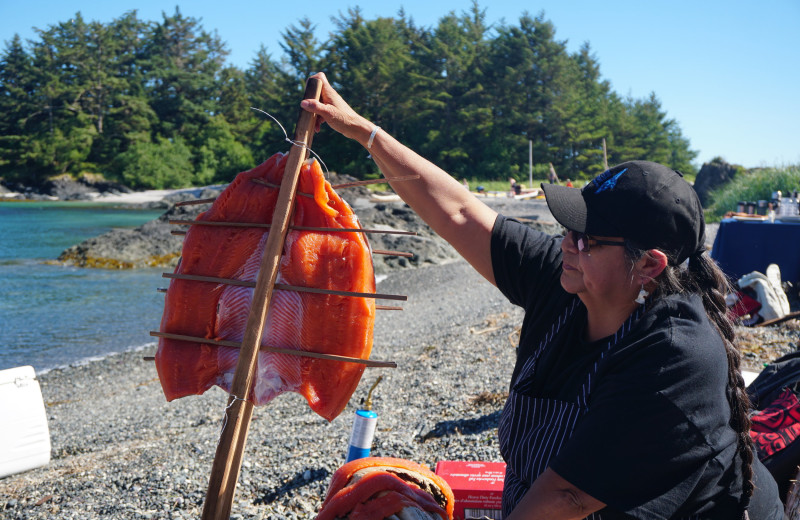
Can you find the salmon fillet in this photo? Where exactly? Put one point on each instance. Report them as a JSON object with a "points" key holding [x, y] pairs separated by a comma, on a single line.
{"points": [[329, 324]]}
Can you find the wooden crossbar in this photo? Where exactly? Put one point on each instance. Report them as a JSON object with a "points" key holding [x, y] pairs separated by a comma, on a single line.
{"points": [[180, 222], [334, 186], [377, 307], [283, 287], [289, 351], [385, 252]]}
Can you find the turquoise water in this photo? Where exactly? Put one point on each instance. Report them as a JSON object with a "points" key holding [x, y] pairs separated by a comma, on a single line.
{"points": [[53, 315]]}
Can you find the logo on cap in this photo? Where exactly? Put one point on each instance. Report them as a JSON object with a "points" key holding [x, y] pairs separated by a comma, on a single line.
{"points": [[606, 183]]}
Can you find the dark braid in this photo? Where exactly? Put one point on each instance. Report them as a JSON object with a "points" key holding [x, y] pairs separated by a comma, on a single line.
{"points": [[703, 277]]}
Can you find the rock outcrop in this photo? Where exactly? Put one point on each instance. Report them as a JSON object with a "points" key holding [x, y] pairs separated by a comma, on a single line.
{"points": [[64, 187], [713, 175]]}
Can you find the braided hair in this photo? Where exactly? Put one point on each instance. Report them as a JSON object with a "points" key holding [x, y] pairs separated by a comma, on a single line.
{"points": [[701, 276]]}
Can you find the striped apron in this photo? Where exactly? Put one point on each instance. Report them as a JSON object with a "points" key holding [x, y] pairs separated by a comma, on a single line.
{"points": [[533, 430]]}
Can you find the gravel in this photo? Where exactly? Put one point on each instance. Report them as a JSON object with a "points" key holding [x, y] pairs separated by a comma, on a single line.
{"points": [[120, 451]]}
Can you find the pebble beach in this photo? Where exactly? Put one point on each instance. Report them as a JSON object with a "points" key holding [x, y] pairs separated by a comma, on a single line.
{"points": [[120, 451]]}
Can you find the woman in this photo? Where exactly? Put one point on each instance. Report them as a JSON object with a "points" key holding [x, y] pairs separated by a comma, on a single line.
{"points": [[626, 400]]}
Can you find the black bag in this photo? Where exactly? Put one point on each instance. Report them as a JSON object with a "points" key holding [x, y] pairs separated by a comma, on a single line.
{"points": [[775, 395], [781, 373]]}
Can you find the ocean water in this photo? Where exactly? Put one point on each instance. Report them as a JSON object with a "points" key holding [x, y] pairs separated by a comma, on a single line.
{"points": [[54, 315]]}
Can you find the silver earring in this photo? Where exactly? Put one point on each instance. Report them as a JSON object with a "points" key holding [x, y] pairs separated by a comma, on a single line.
{"points": [[642, 295]]}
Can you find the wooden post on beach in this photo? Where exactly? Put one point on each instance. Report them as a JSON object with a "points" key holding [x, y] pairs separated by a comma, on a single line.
{"points": [[228, 458], [530, 164]]}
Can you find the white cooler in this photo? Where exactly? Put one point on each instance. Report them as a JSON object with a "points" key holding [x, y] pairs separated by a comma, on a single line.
{"points": [[24, 437]]}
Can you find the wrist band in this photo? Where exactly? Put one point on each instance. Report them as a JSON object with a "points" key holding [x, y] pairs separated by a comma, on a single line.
{"points": [[372, 137]]}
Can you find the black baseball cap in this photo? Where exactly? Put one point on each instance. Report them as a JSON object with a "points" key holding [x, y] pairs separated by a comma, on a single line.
{"points": [[648, 204]]}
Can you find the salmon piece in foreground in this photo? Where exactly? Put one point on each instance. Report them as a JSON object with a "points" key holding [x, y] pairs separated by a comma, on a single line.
{"points": [[379, 487], [329, 324]]}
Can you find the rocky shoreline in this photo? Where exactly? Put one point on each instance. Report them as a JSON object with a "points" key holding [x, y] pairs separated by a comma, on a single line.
{"points": [[121, 451], [87, 187]]}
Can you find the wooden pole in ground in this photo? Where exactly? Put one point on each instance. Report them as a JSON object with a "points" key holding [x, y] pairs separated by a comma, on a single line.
{"points": [[530, 164], [228, 458], [605, 155]]}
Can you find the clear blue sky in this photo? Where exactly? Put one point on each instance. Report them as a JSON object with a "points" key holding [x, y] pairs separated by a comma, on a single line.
{"points": [[727, 71]]}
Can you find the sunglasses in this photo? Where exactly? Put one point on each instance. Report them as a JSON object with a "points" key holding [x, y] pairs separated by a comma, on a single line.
{"points": [[584, 242]]}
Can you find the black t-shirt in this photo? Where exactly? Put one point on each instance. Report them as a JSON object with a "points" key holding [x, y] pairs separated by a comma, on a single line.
{"points": [[655, 441]]}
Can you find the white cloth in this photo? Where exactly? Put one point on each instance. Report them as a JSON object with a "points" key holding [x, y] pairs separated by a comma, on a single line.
{"points": [[769, 292]]}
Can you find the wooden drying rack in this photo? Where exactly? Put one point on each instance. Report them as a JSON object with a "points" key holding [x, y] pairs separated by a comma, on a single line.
{"points": [[238, 412]]}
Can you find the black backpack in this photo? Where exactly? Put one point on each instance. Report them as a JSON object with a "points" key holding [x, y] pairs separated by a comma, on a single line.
{"points": [[775, 396]]}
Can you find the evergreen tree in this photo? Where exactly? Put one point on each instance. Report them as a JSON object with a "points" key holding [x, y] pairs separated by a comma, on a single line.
{"points": [[302, 50], [579, 125], [61, 134], [680, 153], [458, 114], [302, 55], [183, 62], [124, 117], [527, 76], [651, 137], [155, 105], [17, 91], [262, 82], [371, 60]]}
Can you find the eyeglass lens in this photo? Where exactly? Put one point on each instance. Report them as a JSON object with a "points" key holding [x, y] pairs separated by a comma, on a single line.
{"points": [[579, 240]]}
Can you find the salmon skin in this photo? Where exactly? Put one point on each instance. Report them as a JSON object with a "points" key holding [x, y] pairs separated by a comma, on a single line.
{"points": [[374, 488], [329, 324]]}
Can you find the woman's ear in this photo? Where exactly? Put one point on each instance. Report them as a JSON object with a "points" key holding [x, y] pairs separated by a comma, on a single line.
{"points": [[652, 264]]}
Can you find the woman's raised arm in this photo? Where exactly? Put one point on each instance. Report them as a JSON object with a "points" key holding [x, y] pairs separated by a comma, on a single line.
{"points": [[440, 200]]}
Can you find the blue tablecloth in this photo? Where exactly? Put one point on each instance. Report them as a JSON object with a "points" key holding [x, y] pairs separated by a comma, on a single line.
{"points": [[742, 247]]}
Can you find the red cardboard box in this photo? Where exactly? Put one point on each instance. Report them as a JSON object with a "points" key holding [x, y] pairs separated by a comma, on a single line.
{"points": [[477, 487]]}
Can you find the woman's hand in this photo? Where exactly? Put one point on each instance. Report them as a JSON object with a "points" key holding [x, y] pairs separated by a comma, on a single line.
{"points": [[551, 497], [442, 202], [335, 111]]}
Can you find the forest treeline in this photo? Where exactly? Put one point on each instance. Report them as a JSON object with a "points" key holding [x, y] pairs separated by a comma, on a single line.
{"points": [[154, 104]]}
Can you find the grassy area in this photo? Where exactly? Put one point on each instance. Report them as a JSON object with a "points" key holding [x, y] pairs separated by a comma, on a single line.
{"points": [[505, 185], [753, 185]]}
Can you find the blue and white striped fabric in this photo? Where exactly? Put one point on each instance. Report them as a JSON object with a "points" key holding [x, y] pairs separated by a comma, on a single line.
{"points": [[533, 430]]}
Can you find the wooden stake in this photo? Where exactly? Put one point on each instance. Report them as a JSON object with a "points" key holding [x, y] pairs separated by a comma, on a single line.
{"points": [[228, 458], [392, 253], [194, 202], [786, 317]]}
